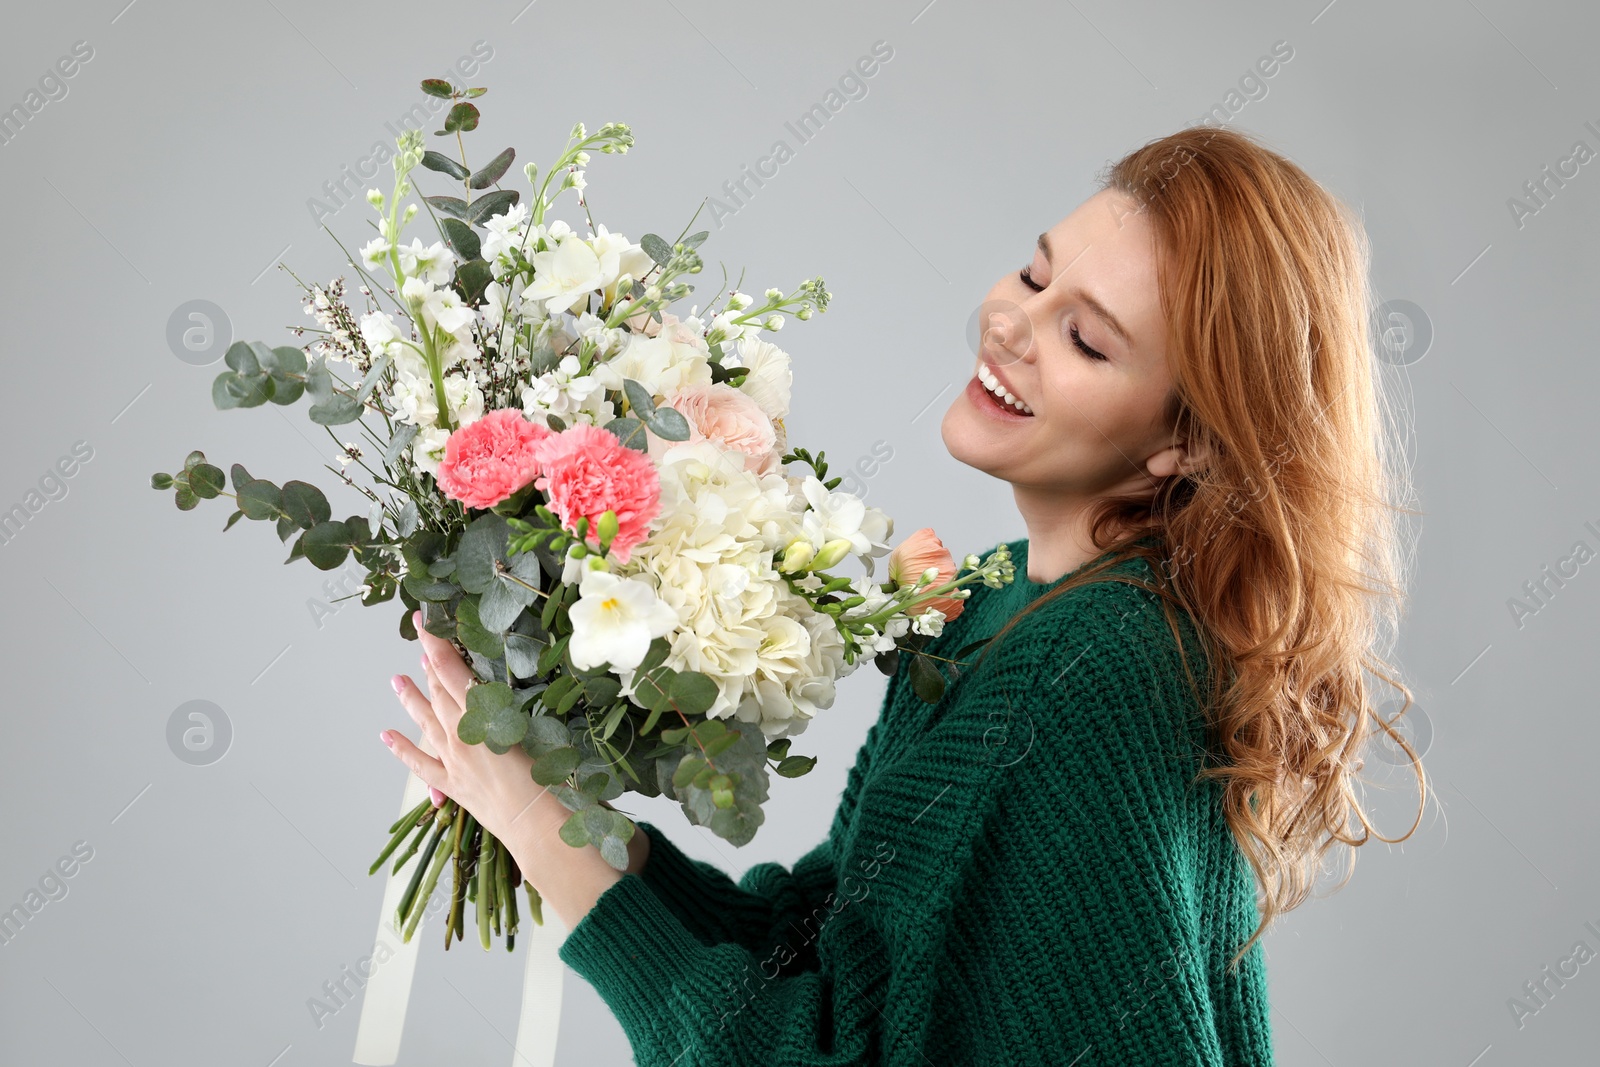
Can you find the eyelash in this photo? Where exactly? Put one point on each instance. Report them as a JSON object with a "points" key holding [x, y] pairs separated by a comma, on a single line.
{"points": [[1026, 274]]}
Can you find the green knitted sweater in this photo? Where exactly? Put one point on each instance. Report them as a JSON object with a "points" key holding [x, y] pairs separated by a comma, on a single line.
{"points": [[1025, 873]]}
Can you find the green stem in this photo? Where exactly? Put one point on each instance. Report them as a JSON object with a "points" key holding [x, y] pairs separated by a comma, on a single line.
{"points": [[409, 898], [432, 879], [399, 831], [485, 886]]}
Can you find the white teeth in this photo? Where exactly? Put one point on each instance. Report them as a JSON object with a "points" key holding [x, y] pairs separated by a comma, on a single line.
{"points": [[991, 383]]}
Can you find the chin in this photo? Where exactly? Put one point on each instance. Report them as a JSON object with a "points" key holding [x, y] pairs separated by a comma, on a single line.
{"points": [[971, 440]]}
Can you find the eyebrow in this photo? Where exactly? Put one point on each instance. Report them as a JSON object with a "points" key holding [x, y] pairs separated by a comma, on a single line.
{"points": [[1100, 310]]}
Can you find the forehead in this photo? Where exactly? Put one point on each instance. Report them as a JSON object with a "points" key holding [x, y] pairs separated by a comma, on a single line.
{"points": [[1106, 246]]}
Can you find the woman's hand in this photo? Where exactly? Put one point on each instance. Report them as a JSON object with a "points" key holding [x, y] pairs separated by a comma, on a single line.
{"points": [[495, 787]]}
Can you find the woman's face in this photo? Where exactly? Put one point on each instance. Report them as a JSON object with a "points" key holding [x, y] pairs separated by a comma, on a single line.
{"points": [[1096, 423]]}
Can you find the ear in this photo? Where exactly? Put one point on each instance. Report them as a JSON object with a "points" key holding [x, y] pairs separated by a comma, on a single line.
{"points": [[1181, 458]]}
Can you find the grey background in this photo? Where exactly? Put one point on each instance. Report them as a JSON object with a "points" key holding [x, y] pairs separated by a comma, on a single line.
{"points": [[178, 166]]}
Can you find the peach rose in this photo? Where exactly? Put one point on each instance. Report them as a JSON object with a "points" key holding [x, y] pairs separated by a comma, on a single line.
{"points": [[719, 412], [916, 554]]}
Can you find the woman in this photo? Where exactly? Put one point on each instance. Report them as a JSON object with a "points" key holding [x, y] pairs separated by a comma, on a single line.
{"points": [[1072, 857]]}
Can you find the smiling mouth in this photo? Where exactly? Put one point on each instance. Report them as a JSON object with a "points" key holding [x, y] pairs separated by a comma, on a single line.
{"points": [[999, 394]]}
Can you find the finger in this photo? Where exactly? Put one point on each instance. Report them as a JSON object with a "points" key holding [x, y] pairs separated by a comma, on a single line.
{"points": [[442, 655], [424, 766], [444, 705], [421, 709], [437, 797]]}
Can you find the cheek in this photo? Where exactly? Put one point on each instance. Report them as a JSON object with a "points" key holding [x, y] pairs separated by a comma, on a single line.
{"points": [[1080, 402]]}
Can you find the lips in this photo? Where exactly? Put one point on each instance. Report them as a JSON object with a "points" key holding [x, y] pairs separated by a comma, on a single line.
{"points": [[992, 405]]}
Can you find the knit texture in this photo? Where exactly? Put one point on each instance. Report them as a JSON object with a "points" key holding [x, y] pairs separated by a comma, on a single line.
{"points": [[1025, 873]]}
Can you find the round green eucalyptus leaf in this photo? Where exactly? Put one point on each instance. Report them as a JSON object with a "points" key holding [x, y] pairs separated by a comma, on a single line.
{"points": [[206, 480], [260, 499], [326, 544]]}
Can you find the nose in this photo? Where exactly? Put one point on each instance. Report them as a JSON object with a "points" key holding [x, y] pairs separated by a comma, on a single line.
{"points": [[1008, 333]]}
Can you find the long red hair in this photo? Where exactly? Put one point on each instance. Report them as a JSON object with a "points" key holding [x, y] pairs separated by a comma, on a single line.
{"points": [[1288, 548]]}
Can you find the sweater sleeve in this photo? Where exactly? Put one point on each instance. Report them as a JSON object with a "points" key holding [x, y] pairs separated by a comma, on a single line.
{"points": [[1082, 895], [714, 908]]}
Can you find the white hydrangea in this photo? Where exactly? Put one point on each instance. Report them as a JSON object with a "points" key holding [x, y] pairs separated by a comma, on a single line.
{"points": [[710, 556]]}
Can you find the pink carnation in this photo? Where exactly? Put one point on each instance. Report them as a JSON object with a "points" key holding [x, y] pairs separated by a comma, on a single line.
{"points": [[489, 460], [588, 471]]}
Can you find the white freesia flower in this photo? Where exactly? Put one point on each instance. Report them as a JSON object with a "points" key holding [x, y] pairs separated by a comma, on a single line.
{"points": [[565, 276], [614, 621], [574, 566], [844, 515], [733, 332], [630, 259]]}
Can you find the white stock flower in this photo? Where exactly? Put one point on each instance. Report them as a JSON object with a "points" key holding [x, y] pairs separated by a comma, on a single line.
{"points": [[427, 450], [614, 621], [414, 400], [432, 264], [382, 334], [504, 232], [497, 300], [440, 307], [375, 254], [565, 393]]}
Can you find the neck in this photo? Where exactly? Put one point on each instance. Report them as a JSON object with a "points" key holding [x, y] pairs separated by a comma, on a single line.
{"points": [[1058, 532]]}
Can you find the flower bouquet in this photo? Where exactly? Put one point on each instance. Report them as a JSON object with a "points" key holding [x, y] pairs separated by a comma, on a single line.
{"points": [[593, 498]]}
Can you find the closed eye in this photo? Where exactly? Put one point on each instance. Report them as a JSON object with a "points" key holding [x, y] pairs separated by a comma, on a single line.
{"points": [[1026, 274]]}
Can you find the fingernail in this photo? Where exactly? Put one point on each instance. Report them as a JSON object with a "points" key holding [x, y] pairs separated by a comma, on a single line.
{"points": [[424, 659], [437, 797], [383, 735], [416, 617], [399, 683]]}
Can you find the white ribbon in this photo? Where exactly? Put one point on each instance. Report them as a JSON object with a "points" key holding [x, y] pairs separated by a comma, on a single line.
{"points": [[388, 990]]}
